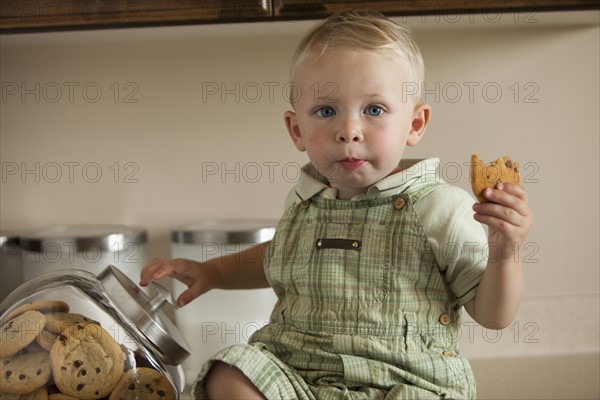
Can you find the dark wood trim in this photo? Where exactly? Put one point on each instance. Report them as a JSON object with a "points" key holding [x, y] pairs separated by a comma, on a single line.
{"points": [[50, 15], [305, 9]]}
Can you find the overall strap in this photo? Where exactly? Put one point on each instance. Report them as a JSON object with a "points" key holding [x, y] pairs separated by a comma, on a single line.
{"points": [[423, 185]]}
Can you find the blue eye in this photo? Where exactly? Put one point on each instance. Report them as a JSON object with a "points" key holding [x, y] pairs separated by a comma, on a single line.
{"points": [[325, 112], [374, 111]]}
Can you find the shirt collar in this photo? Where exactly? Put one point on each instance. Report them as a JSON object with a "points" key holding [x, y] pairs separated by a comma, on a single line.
{"points": [[312, 182]]}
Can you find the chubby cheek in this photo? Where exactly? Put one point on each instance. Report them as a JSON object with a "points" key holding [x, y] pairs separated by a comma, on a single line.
{"points": [[316, 141], [388, 154]]}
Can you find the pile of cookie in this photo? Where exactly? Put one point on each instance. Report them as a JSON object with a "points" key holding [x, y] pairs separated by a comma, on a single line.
{"points": [[47, 352]]}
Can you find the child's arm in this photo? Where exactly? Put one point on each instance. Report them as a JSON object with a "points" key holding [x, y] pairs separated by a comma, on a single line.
{"points": [[243, 270], [500, 290]]}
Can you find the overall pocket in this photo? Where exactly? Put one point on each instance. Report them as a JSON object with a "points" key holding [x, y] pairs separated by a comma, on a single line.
{"points": [[348, 266]]}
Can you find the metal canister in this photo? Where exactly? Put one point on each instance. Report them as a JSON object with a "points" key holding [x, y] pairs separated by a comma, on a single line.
{"points": [[86, 247], [221, 318], [11, 273]]}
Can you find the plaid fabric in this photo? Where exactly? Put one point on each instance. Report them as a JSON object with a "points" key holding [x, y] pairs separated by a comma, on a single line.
{"points": [[355, 324]]}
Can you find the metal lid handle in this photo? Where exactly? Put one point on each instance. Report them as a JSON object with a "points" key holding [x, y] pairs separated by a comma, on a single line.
{"points": [[161, 297]]}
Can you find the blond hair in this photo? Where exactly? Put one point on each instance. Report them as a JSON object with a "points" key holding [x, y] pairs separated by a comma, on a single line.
{"points": [[361, 30]]}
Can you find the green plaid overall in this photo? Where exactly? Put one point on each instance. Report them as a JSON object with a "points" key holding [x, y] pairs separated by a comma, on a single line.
{"points": [[363, 310]]}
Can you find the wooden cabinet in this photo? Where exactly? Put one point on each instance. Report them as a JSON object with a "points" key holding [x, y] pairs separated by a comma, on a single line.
{"points": [[295, 9], [35, 15], [44, 15]]}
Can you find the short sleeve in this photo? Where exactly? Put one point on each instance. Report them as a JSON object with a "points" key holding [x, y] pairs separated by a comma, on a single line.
{"points": [[458, 241]]}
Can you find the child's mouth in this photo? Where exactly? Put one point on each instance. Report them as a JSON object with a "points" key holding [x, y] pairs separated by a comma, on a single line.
{"points": [[351, 163]]}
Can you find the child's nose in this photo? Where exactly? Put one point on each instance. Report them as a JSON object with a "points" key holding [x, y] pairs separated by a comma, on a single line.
{"points": [[349, 130]]}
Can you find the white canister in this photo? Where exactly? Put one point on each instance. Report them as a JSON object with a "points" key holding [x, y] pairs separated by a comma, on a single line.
{"points": [[11, 274], [87, 247], [220, 318]]}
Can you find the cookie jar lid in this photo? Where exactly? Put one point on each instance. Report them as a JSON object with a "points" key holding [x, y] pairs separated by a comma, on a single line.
{"points": [[145, 313], [225, 231], [79, 237]]}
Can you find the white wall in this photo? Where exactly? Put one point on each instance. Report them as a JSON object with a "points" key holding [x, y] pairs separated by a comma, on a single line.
{"points": [[175, 135]]}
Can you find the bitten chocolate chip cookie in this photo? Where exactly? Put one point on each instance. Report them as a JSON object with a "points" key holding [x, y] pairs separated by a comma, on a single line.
{"points": [[20, 331], [143, 383], [24, 373], [86, 361], [487, 176]]}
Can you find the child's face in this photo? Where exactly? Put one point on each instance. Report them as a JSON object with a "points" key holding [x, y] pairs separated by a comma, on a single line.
{"points": [[353, 118]]}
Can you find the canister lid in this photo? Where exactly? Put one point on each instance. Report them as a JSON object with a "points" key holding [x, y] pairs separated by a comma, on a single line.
{"points": [[8, 238], [225, 231], [79, 237], [145, 313]]}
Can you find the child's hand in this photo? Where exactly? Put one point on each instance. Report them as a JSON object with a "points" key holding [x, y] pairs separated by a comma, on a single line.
{"points": [[508, 218], [189, 272]]}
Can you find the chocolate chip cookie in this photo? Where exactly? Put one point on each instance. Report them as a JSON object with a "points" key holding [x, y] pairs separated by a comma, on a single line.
{"points": [[38, 394], [56, 322], [86, 361], [24, 373], [60, 396], [143, 383], [20, 331], [42, 306], [484, 176]]}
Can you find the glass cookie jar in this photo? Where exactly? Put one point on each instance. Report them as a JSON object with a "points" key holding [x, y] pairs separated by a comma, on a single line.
{"points": [[89, 337]]}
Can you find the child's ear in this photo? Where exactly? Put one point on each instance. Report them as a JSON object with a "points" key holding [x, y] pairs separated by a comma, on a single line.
{"points": [[291, 123], [420, 120]]}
